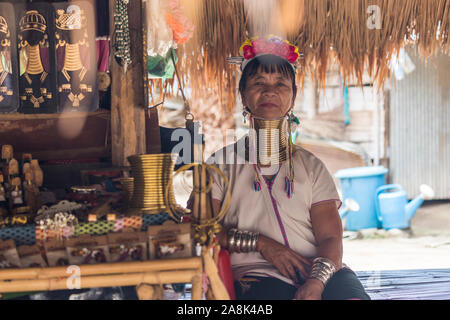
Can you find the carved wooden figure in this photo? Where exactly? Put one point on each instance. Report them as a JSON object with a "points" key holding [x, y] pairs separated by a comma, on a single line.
{"points": [[7, 152], [38, 174], [4, 206], [32, 195]]}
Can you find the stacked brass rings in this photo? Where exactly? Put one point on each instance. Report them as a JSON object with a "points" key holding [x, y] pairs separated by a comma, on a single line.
{"points": [[128, 187], [272, 141], [152, 174]]}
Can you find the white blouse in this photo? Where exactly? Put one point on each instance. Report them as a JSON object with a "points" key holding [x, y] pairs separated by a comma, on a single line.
{"points": [[270, 211]]}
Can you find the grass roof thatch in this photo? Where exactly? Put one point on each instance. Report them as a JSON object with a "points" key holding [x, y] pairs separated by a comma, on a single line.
{"points": [[342, 31]]}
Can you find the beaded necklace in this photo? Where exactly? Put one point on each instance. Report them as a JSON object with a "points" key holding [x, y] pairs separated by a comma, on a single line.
{"points": [[122, 33]]}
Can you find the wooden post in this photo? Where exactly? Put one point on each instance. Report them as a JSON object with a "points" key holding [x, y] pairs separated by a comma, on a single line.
{"points": [[128, 92], [153, 135]]}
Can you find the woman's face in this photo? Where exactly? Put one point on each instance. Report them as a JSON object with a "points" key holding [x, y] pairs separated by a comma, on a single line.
{"points": [[269, 95]]}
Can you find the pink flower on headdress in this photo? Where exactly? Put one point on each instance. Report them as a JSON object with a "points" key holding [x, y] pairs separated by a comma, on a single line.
{"points": [[271, 48], [273, 45], [259, 46], [293, 57], [284, 50], [249, 52]]}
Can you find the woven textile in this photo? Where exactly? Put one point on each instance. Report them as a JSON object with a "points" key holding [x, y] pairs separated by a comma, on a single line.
{"points": [[134, 222], [94, 228], [154, 220], [119, 224], [23, 235]]}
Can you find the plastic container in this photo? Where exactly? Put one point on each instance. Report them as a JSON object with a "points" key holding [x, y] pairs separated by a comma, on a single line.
{"points": [[361, 184]]}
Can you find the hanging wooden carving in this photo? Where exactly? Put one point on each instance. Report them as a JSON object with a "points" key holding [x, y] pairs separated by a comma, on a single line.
{"points": [[9, 87], [75, 56], [37, 80]]}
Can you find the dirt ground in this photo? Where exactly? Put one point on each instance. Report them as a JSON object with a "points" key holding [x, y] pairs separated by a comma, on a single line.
{"points": [[425, 246]]}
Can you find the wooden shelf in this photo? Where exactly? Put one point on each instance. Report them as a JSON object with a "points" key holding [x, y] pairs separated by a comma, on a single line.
{"points": [[67, 136], [21, 116]]}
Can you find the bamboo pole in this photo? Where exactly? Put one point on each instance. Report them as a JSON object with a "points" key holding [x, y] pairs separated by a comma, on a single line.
{"points": [[131, 279], [150, 292], [196, 292], [204, 212], [196, 196], [107, 268], [145, 292], [218, 288]]}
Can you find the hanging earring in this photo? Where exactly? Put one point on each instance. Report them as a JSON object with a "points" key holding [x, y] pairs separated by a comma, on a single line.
{"points": [[245, 115], [289, 179], [294, 121], [252, 154]]}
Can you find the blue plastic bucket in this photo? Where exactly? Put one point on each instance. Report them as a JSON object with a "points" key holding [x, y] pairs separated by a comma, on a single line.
{"points": [[360, 184]]}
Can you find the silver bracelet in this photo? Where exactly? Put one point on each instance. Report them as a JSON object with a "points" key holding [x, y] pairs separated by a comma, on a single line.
{"points": [[242, 241], [244, 244], [249, 241], [255, 241], [238, 239], [323, 269], [230, 238]]}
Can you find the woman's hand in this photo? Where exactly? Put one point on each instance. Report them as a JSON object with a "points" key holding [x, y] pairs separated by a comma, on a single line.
{"points": [[311, 290], [288, 262]]}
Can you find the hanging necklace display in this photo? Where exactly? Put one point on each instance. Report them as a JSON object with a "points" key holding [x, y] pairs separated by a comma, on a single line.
{"points": [[75, 56], [205, 224], [122, 34], [9, 86], [202, 218], [37, 76]]}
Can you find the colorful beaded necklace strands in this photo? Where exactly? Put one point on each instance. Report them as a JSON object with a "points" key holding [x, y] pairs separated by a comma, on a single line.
{"points": [[122, 33]]}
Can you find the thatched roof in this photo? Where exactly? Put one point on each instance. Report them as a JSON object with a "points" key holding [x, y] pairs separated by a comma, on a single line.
{"points": [[342, 31]]}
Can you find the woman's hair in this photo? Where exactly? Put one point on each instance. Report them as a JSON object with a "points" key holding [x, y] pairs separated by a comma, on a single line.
{"points": [[267, 64]]}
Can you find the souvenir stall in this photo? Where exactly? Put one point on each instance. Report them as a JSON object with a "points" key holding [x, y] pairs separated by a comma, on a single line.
{"points": [[75, 87]]}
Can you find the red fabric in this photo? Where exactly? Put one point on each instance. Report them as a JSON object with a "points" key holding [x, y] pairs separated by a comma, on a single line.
{"points": [[225, 273], [102, 55], [60, 57]]}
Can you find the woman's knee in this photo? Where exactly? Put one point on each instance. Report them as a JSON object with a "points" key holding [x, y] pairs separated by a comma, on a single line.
{"points": [[344, 285]]}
